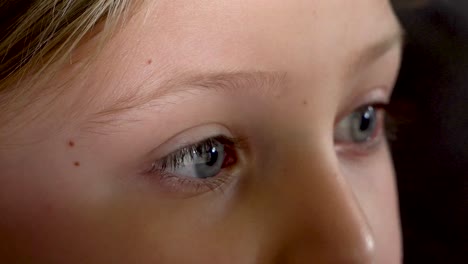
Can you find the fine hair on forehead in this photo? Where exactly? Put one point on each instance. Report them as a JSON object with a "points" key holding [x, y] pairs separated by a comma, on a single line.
{"points": [[39, 35]]}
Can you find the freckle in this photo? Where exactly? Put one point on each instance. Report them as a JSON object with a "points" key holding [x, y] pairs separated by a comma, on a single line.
{"points": [[305, 102], [77, 164], [71, 143], [149, 61]]}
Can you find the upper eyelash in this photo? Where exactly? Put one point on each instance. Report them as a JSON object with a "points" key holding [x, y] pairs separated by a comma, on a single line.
{"points": [[176, 158]]}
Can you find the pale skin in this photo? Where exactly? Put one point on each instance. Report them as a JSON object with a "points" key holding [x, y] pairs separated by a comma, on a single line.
{"points": [[280, 75]]}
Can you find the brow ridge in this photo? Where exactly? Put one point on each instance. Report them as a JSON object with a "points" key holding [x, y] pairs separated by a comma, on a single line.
{"points": [[375, 50], [262, 83]]}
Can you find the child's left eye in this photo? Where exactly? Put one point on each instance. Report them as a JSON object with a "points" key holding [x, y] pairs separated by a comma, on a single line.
{"points": [[364, 125]]}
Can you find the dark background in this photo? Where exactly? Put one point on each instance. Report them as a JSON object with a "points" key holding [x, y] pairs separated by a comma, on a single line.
{"points": [[431, 146]]}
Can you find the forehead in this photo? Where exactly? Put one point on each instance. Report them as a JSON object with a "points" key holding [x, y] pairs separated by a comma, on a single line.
{"points": [[236, 33], [233, 34], [262, 25], [311, 40]]}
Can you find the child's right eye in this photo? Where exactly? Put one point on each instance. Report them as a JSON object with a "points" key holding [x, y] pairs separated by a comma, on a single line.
{"points": [[200, 166]]}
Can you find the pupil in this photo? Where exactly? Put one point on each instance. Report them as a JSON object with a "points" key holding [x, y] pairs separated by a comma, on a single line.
{"points": [[213, 157], [366, 120]]}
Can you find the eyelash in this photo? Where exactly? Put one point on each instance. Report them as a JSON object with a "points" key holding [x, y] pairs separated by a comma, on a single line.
{"points": [[189, 185]]}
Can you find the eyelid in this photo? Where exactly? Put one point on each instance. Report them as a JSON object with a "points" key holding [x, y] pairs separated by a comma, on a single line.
{"points": [[185, 187], [188, 137], [233, 143], [377, 97]]}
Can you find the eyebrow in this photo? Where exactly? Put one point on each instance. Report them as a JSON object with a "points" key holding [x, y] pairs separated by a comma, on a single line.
{"points": [[375, 50], [259, 82]]}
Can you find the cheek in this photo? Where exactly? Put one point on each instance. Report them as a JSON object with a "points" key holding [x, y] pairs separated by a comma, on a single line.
{"points": [[59, 217], [373, 183], [52, 212], [384, 216]]}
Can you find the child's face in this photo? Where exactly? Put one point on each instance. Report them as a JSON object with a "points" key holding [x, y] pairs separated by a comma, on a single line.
{"points": [[296, 168]]}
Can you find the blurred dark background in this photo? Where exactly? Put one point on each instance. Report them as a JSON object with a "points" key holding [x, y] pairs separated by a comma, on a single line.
{"points": [[431, 146]]}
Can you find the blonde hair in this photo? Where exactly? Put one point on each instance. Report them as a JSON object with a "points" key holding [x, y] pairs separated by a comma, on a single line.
{"points": [[41, 33]]}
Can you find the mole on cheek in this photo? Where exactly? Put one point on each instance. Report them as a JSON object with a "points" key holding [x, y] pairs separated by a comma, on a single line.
{"points": [[77, 164], [71, 143], [305, 102], [149, 61]]}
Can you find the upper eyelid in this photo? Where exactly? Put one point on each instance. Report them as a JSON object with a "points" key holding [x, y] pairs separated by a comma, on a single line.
{"points": [[238, 143], [187, 137], [235, 142], [378, 96]]}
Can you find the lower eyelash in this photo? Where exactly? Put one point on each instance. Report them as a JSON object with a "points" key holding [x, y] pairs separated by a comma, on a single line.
{"points": [[189, 186]]}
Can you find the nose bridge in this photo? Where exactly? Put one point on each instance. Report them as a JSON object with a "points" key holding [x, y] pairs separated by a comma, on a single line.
{"points": [[323, 220]]}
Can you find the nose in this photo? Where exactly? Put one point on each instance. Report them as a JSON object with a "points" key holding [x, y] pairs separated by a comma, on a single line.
{"points": [[321, 220]]}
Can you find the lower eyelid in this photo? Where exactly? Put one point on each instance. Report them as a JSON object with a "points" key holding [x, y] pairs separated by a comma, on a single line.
{"points": [[187, 187]]}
